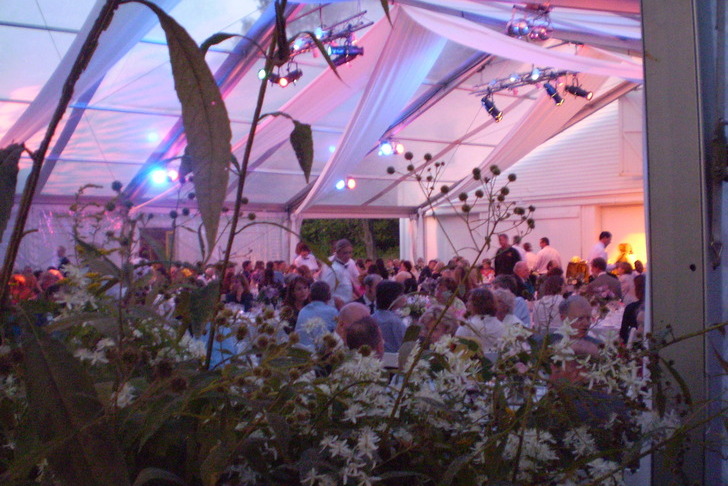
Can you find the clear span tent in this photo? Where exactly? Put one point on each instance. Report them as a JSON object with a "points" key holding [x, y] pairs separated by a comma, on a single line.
{"points": [[414, 83]]}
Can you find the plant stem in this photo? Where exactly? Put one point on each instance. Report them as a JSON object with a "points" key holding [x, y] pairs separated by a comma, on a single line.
{"points": [[79, 65], [241, 186]]}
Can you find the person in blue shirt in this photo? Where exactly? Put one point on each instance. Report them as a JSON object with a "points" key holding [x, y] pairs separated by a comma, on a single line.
{"points": [[391, 325], [317, 318]]}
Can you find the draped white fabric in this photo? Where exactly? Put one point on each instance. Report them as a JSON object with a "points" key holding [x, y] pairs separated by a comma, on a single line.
{"points": [[407, 57], [131, 22], [481, 38], [318, 98]]}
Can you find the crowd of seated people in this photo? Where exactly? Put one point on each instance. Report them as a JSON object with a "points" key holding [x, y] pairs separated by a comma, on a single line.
{"points": [[340, 292]]}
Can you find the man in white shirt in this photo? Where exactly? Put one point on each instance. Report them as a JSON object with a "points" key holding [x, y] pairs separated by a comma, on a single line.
{"points": [[547, 255], [342, 273], [531, 257], [600, 249], [520, 249]]}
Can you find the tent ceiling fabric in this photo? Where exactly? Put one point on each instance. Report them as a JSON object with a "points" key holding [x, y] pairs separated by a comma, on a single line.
{"points": [[414, 83]]}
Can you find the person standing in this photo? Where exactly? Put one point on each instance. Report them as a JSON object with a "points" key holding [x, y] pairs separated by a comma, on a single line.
{"points": [[341, 275], [600, 249], [506, 257], [547, 254]]}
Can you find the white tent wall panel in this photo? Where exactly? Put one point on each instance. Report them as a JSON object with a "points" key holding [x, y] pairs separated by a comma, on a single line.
{"points": [[582, 181]]}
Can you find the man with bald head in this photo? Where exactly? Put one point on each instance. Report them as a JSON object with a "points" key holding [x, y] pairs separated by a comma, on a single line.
{"points": [[350, 313]]}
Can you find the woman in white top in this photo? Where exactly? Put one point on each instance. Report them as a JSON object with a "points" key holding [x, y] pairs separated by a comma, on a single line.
{"points": [[482, 326], [505, 301], [626, 281], [546, 316], [305, 257]]}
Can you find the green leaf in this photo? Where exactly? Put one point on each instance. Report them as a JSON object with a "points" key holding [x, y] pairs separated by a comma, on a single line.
{"points": [[205, 118], [412, 333], [158, 477], [96, 260], [83, 449], [9, 166], [322, 49], [202, 306], [214, 40], [302, 142], [385, 7], [103, 323]]}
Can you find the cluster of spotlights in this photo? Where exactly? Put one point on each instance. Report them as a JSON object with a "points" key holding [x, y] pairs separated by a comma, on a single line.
{"points": [[348, 183], [291, 76], [545, 76], [531, 22], [390, 147], [163, 176]]}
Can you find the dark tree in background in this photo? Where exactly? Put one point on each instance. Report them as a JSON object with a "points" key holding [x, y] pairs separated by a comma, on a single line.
{"points": [[372, 238]]}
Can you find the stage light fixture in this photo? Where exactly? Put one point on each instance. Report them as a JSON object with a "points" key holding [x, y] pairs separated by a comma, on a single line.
{"points": [[341, 185], [491, 109], [262, 74], [579, 91], [350, 183], [172, 175], [532, 22], [344, 53], [553, 93]]}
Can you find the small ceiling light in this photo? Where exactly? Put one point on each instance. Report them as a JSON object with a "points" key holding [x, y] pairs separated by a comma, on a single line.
{"points": [[152, 137], [172, 175], [491, 109], [540, 32], [262, 74], [386, 148], [341, 185], [579, 91], [350, 183], [553, 94], [290, 77], [159, 176]]}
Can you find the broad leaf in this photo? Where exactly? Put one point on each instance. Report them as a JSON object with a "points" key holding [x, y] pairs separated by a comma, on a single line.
{"points": [[412, 333], [215, 39], [103, 323], [302, 142], [82, 447], [9, 160], [202, 306], [205, 118]]}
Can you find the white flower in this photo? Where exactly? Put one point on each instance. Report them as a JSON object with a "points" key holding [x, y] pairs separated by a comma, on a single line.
{"points": [[105, 343], [580, 441], [93, 356], [610, 473], [124, 396], [354, 412], [367, 442]]}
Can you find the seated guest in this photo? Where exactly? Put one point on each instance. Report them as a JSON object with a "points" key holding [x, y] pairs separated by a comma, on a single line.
{"points": [[240, 292], [446, 287], [632, 310], [602, 280], [524, 280], [546, 316], [305, 257], [505, 301], [431, 331], [520, 307], [482, 325], [365, 332], [487, 272], [626, 281], [350, 313], [296, 298], [578, 312], [316, 318], [391, 325], [406, 277], [369, 296]]}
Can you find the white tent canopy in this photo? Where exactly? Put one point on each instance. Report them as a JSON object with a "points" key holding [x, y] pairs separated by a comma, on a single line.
{"points": [[415, 83]]}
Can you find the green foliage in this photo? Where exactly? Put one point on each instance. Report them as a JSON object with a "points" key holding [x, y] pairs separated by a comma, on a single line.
{"points": [[302, 143], [68, 416], [320, 234], [9, 163], [205, 118]]}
